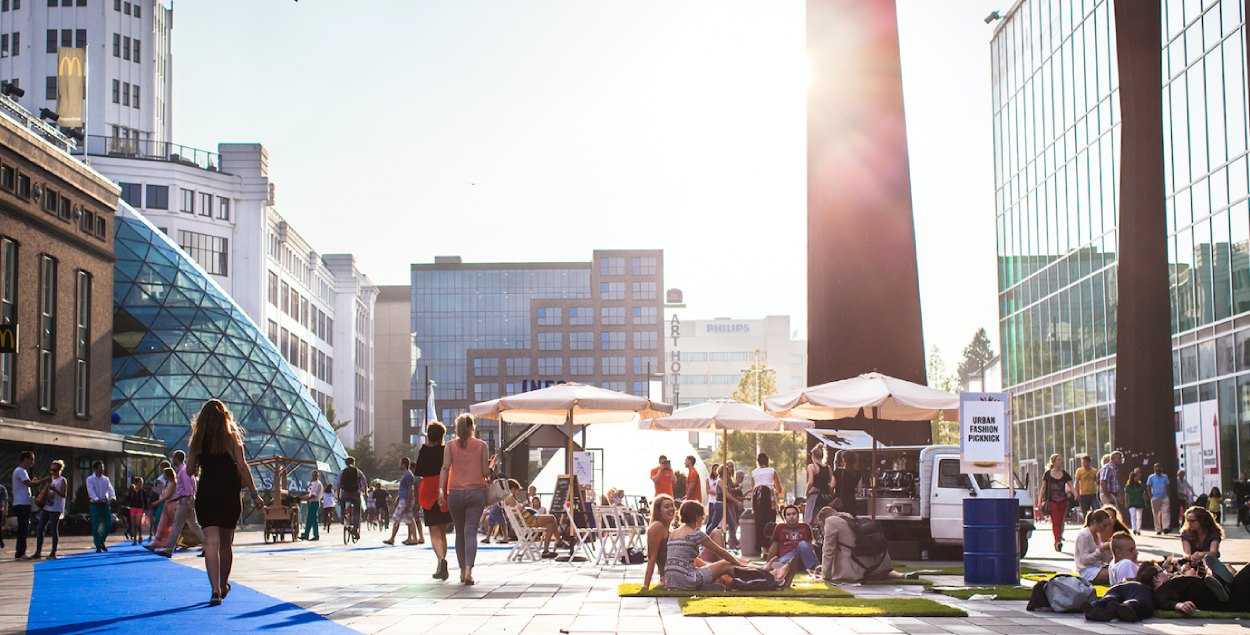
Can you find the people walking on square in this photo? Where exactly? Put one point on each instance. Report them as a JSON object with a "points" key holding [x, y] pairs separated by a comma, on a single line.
{"points": [[820, 483], [694, 482], [1093, 547], [327, 506], [463, 477], [184, 505], [312, 519], [1215, 502], [716, 508], [159, 499], [1087, 485], [1053, 496], [663, 477], [1200, 535], [166, 521], [22, 482], [101, 495], [136, 504], [764, 499], [216, 449], [1135, 498], [1109, 488], [1160, 502], [382, 501], [53, 496], [427, 467], [351, 486], [405, 504]]}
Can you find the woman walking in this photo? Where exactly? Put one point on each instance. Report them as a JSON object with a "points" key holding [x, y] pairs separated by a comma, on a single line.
{"points": [[1135, 497], [165, 522], [217, 449], [1053, 495], [430, 495], [462, 488], [136, 504], [53, 507]]}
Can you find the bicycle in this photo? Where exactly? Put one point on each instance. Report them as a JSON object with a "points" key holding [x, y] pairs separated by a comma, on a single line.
{"points": [[351, 520]]}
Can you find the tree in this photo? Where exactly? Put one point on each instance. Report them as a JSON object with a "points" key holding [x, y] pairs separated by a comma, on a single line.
{"points": [[977, 355], [944, 432], [757, 382], [390, 471], [332, 416], [786, 452], [366, 457]]}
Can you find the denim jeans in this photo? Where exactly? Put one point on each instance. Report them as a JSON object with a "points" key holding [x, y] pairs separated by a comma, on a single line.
{"points": [[806, 554], [101, 523], [714, 516], [466, 507], [48, 519]]}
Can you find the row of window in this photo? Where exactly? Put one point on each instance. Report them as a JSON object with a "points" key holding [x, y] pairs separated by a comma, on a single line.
{"points": [[578, 316], [124, 46], [485, 392], [212, 252], [648, 290], [66, 38], [124, 93], [12, 180], [5, 40], [5, 5], [158, 198], [708, 379], [639, 266], [548, 366], [124, 7], [45, 336], [735, 356], [293, 303], [59, 3], [302, 354], [62, 207]]}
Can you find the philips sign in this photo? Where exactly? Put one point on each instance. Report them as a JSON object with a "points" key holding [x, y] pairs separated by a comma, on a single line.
{"points": [[722, 328]]}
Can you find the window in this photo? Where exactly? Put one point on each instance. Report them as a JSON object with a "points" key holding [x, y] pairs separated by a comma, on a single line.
{"points": [[50, 88], [518, 366], [126, 47], [581, 341], [117, 5], [611, 266], [612, 340], [8, 314], [550, 341], [285, 298], [644, 315], [125, 93], [273, 288], [212, 252], [23, 185], [67, 38], [80, 38], [136, 12], [613, 365], [188, 201], [134, 101], [46, 336], [8, 177], [486, 367], [117, 89], [581, 316], [284, 344], [949, 476], [303, 311], [645, 365], [17, 43], [549, 366], [206, 204], [158, 196], [612, 290], [549, 316], [117, 45], [644, 266], [82, 344], [273, 332], [618, 386], [645, 340], [135, 42], [485, 392], [293, 303], [612, 315], [223, 208], [49, 200], [644, 290], [127, 8], [581, 366], [4, 44], [52, 40], [132, 193]]}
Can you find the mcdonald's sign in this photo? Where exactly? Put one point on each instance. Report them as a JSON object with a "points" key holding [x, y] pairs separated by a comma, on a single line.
{"points": [[71, 85], [8, 338]]}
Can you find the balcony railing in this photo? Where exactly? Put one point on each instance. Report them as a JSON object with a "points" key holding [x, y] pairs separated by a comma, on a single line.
{"points": [[99, 145], [36, 125]]}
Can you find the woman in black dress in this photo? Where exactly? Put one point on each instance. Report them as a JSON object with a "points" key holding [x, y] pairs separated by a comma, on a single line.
{"points": [[217, 450], [427, 467]]}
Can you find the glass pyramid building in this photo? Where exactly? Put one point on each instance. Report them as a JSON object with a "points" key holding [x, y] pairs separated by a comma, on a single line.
{"points": [[180, 339]]}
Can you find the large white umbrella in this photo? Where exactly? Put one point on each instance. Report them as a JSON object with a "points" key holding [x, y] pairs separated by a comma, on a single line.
{"points": [[871, 395], [570, 405], [724, 415]]}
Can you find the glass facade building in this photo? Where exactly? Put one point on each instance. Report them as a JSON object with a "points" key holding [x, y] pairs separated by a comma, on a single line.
{"points": [[179, 339], [1057, 143]]}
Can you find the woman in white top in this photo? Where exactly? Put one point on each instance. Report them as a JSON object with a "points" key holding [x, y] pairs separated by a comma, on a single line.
{"points": [[53, 506], [1093, 548], [764, 498], [716, 510]]}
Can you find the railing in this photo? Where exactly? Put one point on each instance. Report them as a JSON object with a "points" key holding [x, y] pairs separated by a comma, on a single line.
{"points": [[99, 145], [36, 125]]}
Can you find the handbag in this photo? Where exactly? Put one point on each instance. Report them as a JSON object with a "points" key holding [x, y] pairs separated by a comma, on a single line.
{"points": [[42, 497], [496, 491]]}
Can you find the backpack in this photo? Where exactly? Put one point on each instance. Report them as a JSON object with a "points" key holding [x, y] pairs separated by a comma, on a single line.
{"points": [[351, 480], [1062, 594], [633, 555], [871, 546]]}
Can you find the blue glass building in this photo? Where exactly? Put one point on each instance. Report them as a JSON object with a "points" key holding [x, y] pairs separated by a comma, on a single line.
{"points": [[179, 339]]}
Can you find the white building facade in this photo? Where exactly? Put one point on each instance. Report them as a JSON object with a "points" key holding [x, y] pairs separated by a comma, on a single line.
{"points": [[129, 66], [708, 357], [317, 309]]}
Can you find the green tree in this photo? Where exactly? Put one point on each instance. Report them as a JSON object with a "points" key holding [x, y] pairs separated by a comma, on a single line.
{"points": [[333, 417], [786, 452], [977, 354], [944, 432], [366, 457], [396, 452], [757, 381]]}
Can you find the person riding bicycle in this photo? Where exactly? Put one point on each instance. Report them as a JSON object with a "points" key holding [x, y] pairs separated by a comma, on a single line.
{"points": [[351, 483]]}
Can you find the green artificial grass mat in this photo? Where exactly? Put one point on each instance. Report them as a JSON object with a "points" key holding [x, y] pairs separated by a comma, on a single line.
{"points": [[1203, 615], [890, 581], [798, 590], [798, 607], [954, 570], [1000, 591], [1041, 577]]}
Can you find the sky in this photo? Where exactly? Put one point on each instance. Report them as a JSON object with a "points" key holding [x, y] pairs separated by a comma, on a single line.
{"points": [[542, 130]]}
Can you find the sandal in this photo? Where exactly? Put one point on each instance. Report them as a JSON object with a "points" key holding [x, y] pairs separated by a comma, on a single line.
{"points": [[225, 591], [215, 600]]}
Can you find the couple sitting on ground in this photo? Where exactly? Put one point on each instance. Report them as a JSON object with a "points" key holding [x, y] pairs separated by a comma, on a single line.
{"points": [[683, 567]]}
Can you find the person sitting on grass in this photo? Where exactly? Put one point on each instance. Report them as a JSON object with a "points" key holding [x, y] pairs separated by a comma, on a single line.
{"points": [[1123, 558], [1117, 525], [1093, 549], [1200, 535], [682, 572], [1191, 591], [838, 562], [792, 540]]}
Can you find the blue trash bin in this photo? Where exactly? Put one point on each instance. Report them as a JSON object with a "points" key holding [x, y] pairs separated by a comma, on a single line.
{"points": [[990, 527]]}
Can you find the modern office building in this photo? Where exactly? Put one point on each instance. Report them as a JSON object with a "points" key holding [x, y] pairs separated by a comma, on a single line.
{"points": [[179, 340], [491, 329], [318, 309], [396, 358], [1071, 149], [712, 355], [129, 65], [56, 321]]}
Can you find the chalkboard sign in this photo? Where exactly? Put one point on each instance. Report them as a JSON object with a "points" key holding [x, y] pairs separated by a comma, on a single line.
{"points": [[567, 487]]}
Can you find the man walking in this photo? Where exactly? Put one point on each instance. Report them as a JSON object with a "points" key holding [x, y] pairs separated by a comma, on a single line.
{"points": [[22, 481], [1184, 496], [100, 493], [1087, 485], [184, 509], [1109, 486], [694, 482], [315, 491], [1159, 507], [404, 506]]}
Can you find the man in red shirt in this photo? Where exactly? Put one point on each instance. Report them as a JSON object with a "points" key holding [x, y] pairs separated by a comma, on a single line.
{"points": [[663, 477], [694, 484], [793, 538]]}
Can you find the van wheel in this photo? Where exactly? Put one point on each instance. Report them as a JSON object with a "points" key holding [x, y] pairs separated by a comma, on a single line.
{"points": [[1022, 542]]}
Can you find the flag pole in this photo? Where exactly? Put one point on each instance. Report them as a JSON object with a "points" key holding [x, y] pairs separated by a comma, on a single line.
{"points": [[86, 98]]}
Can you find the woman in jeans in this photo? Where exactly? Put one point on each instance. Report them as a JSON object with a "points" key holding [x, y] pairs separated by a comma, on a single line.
{"points": [[53, 507], [463, 478]]}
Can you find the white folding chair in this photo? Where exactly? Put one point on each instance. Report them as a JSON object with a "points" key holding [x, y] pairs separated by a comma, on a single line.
{"points": [[526, 546], [610, 533], [634, 527], [582, 536]]}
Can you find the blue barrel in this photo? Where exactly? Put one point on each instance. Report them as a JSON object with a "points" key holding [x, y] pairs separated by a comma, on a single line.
{"points": [[990, 526]]}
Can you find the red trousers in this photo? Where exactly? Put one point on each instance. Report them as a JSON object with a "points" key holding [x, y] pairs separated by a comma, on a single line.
{"points": [[1058, 511]]}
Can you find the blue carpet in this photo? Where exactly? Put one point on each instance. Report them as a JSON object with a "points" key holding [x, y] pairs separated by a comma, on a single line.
{"points": [[129, 590]]}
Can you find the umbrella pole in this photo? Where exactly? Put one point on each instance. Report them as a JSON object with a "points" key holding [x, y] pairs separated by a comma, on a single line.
{"points": [[724, 489], [872, 481], [568, 455]]}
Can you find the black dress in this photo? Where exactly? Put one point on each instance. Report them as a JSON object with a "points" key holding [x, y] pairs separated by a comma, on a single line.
{"points": [[429, 465], [217, 502]]}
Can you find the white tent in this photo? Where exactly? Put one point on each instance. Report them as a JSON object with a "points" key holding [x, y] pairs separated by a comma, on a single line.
{"points": [[627, 458]]}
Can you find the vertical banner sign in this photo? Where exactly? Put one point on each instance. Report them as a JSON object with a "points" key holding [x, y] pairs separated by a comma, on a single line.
{"points": [[584, 467], [984, 433], [71, 90]]}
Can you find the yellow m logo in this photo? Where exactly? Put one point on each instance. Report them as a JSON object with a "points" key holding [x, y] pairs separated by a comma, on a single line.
{"points": [[69, 66], [8, 338]]}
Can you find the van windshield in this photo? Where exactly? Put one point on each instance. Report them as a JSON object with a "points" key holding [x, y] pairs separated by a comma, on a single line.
{"points": [[991, 481]]}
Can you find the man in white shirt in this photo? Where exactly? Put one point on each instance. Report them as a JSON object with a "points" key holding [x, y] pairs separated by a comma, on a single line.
{"points": [[22, 501], [1123, 558], [100, 493], [315, 491]]}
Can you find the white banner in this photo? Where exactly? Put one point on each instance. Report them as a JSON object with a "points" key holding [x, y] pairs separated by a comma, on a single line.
{"points": [[984, 433]]}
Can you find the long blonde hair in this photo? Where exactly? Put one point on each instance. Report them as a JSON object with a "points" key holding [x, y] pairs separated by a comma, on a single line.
{"points": [[464, 429], [214, 430], [1055, 460]]}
